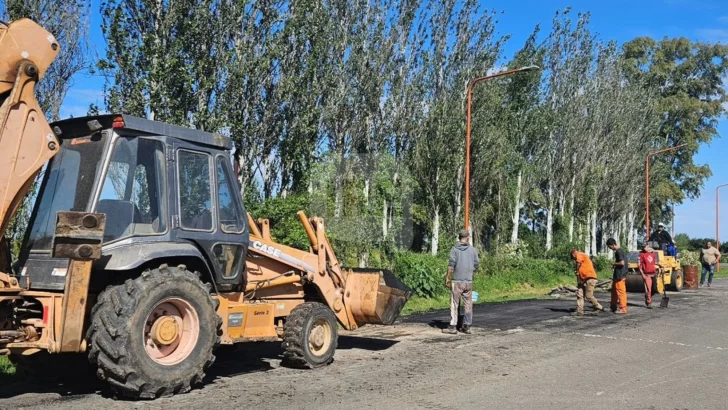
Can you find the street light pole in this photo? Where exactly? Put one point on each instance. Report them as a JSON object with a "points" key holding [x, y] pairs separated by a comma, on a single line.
{"points": [[647, 186], [717, 220], [467, 130]]}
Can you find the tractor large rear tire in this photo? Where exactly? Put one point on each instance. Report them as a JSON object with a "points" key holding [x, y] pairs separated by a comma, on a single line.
{"points": [[310, 336], [154, 336]]}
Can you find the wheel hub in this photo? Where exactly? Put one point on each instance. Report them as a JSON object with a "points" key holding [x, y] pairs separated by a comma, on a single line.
{"points": [[171, 331], [165, 331], [317, 337]]}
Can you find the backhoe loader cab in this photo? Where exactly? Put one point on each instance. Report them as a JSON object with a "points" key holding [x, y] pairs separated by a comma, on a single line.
{"points": [[167, 192]]}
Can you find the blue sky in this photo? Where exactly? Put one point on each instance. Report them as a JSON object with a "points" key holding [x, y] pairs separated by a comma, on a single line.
{"points": [[620, 20]]}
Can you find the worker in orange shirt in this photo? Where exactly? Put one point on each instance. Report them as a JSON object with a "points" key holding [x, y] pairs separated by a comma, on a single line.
{"points": [[586, 281], [619, 286]]}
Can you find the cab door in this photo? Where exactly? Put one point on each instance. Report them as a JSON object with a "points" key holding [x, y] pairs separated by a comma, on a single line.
{"points": [[209, 213]]}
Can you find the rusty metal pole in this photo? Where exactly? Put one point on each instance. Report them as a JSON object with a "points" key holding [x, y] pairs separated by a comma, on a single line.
{"points": [[717, 220], [647, 198], [467, 130], [647, 185]]}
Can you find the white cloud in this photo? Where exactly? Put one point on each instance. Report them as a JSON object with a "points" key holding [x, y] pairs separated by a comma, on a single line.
{"points": [[85, 94], [715, 35]]}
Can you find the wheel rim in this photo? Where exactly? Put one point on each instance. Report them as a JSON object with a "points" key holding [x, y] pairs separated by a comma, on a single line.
{"points": [[679, 280], [319, 338], [171, 331]]}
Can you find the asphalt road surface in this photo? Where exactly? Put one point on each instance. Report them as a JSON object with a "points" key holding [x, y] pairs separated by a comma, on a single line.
{"points": [[522, 355]]}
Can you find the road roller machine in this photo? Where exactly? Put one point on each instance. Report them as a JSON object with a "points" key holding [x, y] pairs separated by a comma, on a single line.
{"points": [[140, 254], [668, 274]]}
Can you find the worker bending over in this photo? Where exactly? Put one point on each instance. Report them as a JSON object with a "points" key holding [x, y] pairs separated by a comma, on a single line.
{"points": [[586, 281], [619, 287], [647, 270]]}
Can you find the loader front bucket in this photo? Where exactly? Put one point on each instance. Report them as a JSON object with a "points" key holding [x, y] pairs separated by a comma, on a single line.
{"points": [[375, 296]]}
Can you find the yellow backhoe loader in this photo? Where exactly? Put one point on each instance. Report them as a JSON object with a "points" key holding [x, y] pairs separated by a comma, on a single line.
{"points": [[139, 251]]}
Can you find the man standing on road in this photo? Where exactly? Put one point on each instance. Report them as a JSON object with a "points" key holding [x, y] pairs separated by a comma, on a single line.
{"points": [[662, 237], [709, 258], [647, 270], [586, 281], [619, 287], [463, 262]]}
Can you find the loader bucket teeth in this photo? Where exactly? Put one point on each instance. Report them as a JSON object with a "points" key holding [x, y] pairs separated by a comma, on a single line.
{"points": [[375, 296]]}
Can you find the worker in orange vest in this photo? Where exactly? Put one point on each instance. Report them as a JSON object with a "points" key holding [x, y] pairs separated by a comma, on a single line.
{"points": [[586, 281]]}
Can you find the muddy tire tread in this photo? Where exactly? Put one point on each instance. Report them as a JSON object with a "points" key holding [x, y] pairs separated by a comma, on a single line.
{"points": [[107, 338]]}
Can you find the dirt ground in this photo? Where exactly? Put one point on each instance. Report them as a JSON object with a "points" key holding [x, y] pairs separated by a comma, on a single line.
{"points": [[529, 354]]}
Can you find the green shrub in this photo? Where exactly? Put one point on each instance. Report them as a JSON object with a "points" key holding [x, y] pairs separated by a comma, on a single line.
{"points": [[499, 272], [284, 224], [689, 258], [423, 273], [602, 263], [562, 251]]}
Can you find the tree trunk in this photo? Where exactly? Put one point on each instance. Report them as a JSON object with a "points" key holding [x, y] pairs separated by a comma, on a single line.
{"points": [[571, 217], [550, 217], [435, 232], [385, 214], [517, 208], [363, 258], [593, 232], [605, 236], [367, 182], [339, 186], [632, 232]]}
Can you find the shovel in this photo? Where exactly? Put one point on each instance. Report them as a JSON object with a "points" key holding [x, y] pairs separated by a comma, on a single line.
{"points": [[665, 300]]}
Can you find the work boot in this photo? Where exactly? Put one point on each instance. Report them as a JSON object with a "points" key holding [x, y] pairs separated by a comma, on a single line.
{"points": [[466, 329], [648, 305], [600, 309], [578, 313], [450, 330], [708, 284], [620, 312]]}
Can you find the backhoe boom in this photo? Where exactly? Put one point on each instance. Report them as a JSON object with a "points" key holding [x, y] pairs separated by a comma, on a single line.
{"points": [[26, 140]]}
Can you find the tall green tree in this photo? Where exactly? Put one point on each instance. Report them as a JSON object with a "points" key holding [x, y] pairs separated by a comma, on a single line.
{"points": [[689, 76]]}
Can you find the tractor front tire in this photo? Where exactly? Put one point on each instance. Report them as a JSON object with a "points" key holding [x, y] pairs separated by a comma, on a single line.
{"points": [[676, 281], [310, 336], [154, 336]]}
